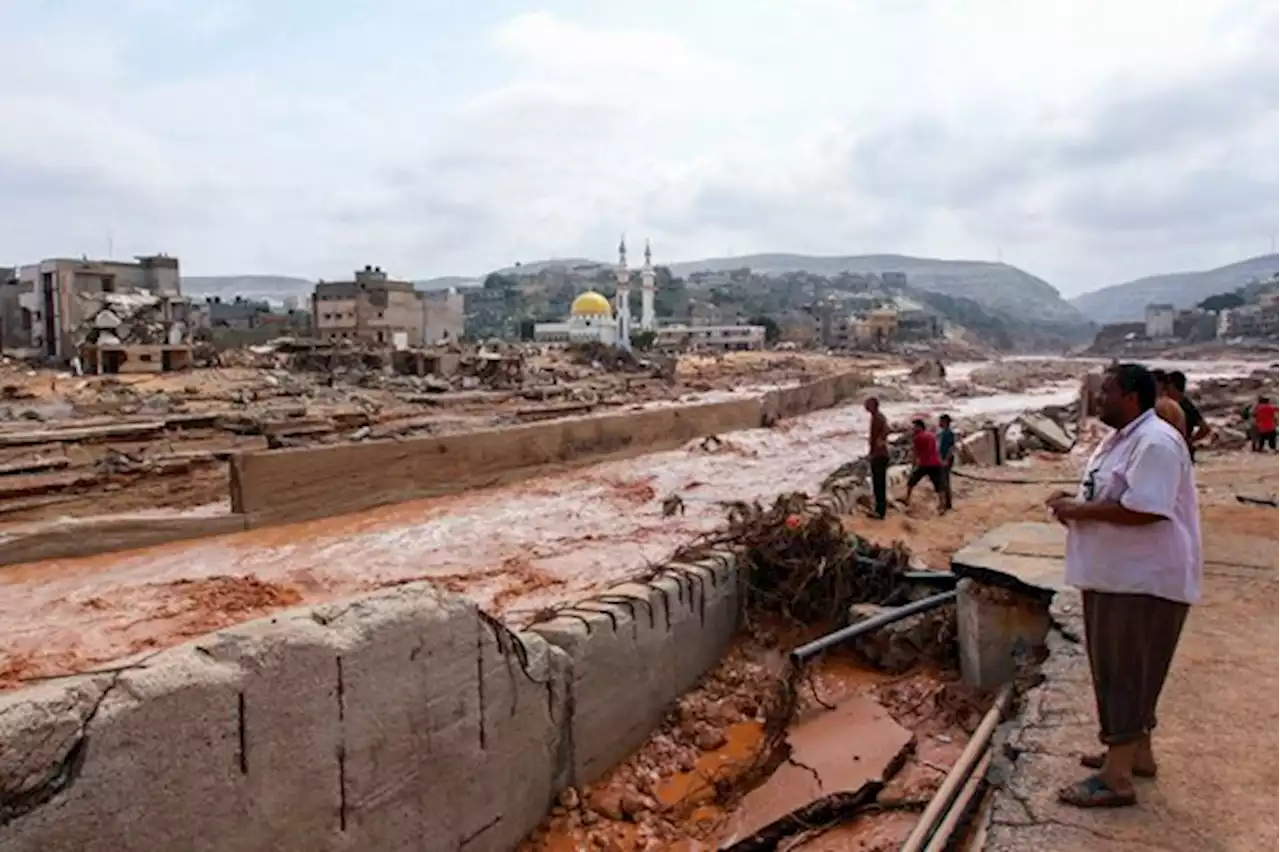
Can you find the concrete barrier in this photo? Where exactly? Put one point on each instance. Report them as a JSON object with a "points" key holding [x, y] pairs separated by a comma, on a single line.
{"points": [[68, 538], [812, 396], [283, 486], [402, 720]]}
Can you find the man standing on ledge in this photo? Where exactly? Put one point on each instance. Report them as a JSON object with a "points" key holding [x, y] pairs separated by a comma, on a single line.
{"points": [[1133, 548], [878, 454]]}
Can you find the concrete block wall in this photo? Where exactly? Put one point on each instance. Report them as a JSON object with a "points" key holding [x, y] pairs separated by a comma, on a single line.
{"points": [[401, 720]]}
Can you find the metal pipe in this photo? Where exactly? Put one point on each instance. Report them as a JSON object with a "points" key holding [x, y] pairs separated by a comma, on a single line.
{"points": [[932, 578], [809, 649], [947, 827], [959, 773]]}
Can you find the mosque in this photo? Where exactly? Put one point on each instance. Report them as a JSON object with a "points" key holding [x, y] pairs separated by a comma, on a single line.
{"points": [[593, 319]]}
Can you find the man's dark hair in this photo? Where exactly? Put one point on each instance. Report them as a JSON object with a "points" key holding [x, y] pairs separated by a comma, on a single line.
{"points": [[945, 419], [918, 423], [1161, 377], [1179, 381], [1136, 379]]}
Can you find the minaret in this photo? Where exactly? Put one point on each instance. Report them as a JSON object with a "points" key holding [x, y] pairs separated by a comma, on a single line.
{"points": [[624, 296], [647, 320]]}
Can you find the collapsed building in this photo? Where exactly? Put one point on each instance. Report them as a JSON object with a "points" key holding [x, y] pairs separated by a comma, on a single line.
{"points": [[114, 316], [373, 308]]}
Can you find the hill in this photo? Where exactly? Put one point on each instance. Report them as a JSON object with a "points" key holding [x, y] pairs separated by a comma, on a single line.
{"points": [[999, 286], [1127, 302], [273, 288]]}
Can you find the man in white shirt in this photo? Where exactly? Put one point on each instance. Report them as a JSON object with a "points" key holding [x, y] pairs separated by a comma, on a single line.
{"points": [[1134, 550]]}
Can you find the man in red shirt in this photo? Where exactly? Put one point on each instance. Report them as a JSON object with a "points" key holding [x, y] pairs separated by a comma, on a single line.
{"points": [[1264, 425], [928, 463]]}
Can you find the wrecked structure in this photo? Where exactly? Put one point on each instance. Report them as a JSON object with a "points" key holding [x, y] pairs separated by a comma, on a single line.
{"points": [[374, 308], [115, 315]]}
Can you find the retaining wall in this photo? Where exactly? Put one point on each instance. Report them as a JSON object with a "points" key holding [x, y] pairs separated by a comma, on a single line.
{"points": [[402, 720], [282, 486]]}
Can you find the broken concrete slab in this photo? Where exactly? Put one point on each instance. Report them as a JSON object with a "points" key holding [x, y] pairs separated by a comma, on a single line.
{"points": [[1025, 556], [1049, 432], [842, 753]]}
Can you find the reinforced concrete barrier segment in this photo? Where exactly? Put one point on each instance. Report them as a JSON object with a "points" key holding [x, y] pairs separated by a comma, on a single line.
{"points": [[402, 720]]}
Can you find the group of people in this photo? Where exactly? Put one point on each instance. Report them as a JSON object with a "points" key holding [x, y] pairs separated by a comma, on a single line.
{"points": [[933, 452], [1176, 408], [1133, 549]]}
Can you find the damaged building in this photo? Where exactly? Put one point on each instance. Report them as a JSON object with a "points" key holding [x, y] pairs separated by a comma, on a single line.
{"points": [[115, 316], [376, 309]]}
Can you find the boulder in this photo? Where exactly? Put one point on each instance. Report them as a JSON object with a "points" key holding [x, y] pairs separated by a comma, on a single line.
{"points": [[1052, 435]]}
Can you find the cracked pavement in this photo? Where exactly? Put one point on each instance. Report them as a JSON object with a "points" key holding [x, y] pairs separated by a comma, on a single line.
{"points": [[1216, 744]]}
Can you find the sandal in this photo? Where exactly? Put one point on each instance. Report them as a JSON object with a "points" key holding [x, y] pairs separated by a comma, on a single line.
{"points": [[1096, 761], [1093, 792]]}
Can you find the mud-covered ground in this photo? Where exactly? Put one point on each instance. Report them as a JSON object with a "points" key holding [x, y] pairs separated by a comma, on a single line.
{"points": [[160, 442]]}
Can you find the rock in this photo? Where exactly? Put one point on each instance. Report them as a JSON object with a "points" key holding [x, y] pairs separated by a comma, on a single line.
{"points": [[899, 646], [1226, 438], [635, 805], [569, 798], [607, 802], [1047, 431], [709, 737]]}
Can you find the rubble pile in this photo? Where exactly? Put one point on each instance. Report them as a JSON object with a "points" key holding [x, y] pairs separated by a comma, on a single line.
{"points": [[1023, 376], [931, 370], [137, 318]]}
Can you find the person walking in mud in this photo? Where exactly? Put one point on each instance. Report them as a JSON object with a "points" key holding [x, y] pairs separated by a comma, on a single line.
{"points": [[1134, 551], [1262, 425], [928, 463], [946, 449], [878, 455]]}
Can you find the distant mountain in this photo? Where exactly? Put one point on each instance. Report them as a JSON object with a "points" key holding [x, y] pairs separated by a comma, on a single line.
{"points": [[459, 282], [993, 285], [273, 288], [1128, 302]]}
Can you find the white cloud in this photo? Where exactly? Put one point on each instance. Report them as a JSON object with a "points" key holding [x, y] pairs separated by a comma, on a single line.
{"points": [[1087, 141]]}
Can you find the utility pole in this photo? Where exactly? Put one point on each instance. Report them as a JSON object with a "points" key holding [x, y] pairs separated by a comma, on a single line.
{"points": [[111, 248]]}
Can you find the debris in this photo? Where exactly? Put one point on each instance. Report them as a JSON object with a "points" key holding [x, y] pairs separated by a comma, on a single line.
{"points": [[1048, 431]]}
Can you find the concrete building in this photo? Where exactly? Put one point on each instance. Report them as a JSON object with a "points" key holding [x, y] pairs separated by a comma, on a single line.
{"points": [[721, 338], [371, 309], [48, 309], [1160, 319], [444, 317]]}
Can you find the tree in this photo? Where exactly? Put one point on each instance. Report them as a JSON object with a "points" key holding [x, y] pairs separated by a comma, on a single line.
{"points": [[643, 340], [1222, 302], [771, 330]]}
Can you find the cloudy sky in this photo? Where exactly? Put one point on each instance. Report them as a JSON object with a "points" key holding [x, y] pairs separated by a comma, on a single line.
{"points": [[1087, 142]]}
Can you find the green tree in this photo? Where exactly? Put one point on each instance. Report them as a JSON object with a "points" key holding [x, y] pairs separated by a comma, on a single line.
{"points": [[643, 340], [1222, 302], [771, 330]]}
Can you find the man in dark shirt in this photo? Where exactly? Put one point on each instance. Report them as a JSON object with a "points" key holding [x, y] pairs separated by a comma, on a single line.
{"points": [[946, 449], [878, 455], [928, 463], [1197, 428]]}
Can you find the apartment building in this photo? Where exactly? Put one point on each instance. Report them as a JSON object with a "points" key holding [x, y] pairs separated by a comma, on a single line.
{"points": [[375, 309]]}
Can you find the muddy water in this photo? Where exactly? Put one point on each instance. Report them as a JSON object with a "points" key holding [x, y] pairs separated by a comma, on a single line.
{"points": [[513, 549]]}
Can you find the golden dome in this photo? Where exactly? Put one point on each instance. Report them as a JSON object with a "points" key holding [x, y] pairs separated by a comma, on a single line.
{"points": [[590, 304]]}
